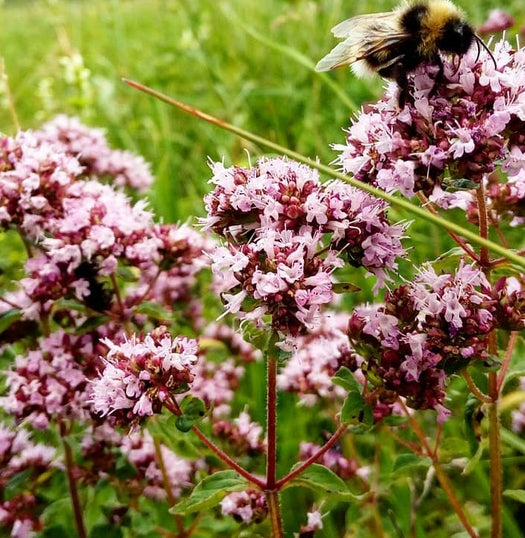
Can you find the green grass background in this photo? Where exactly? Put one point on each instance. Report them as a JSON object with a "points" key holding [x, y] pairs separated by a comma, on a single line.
{"points": [[247, 62]]}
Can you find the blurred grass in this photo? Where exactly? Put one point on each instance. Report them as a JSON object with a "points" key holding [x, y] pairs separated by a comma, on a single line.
{"points": [[250, 63]]}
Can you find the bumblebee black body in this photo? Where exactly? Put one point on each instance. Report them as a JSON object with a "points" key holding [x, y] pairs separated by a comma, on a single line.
{"points": [[394, 44]]}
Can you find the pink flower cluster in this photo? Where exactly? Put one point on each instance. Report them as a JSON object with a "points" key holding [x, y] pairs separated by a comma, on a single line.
{"points": [[83, 231], [242, 434], [19, 454], [346, 468], [139, 448], [315, 359], [286, 234], [473, 124], [34, 179], [143, 374], [99, 161], [422, 333], [247, 506], [50, 383]]}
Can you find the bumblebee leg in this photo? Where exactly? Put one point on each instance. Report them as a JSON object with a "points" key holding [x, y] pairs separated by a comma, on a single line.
{"points": [[398, 73], [438, 79]]}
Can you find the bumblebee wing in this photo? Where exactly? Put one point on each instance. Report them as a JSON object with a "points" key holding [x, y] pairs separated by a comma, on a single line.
{"points": [[366, 35], [347, 28]]}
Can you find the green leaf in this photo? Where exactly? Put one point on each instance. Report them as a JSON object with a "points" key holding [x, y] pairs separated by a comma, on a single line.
{"points": [[153, 311], [345, 287], [210, 491], [356, 411], [346, 379], [91, 324], [459, 184], [490, 364], [128, 274], [395, 420], [409, 461], [321, 479], [69, 304], [515, 494], [511, 439], [472, 421], [9, 317], [473, 461], [454, 447], [56, 531], [193, 410], [107, 530]]}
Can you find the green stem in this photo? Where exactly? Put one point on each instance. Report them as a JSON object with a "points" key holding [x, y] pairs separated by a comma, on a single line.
{"points": [[394, 201]]}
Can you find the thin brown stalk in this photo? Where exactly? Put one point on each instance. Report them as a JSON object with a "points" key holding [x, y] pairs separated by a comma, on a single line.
{"points": [[441, 475], [483, 224], [72, 484], [271, 422], [274, 513], [167, 485], [482, 397], [513, 338], [271, 491], [496, 469]]}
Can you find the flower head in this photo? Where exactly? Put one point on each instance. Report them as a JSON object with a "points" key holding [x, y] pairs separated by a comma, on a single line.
{"points": [[474, 121], [90, 147], [286, 233], [424, 332], [141, 374], [52, 381]]}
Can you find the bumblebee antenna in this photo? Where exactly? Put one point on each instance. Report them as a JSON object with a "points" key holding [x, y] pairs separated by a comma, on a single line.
{"points": [[481, 43]]}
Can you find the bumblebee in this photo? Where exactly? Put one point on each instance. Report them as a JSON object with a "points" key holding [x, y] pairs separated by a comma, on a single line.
{"points": [[395, 43]]}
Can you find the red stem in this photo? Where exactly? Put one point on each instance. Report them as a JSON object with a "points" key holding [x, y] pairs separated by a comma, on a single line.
{"points": [[271, 491], [271, 423], [331, 442], [173, 407]]}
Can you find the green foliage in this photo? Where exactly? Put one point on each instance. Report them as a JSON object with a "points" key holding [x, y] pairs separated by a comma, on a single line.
{"points": [[210, 491], [321, 479]]}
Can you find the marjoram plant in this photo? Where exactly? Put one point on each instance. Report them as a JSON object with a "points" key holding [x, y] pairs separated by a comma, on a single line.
{"points": [[126, 407]]}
